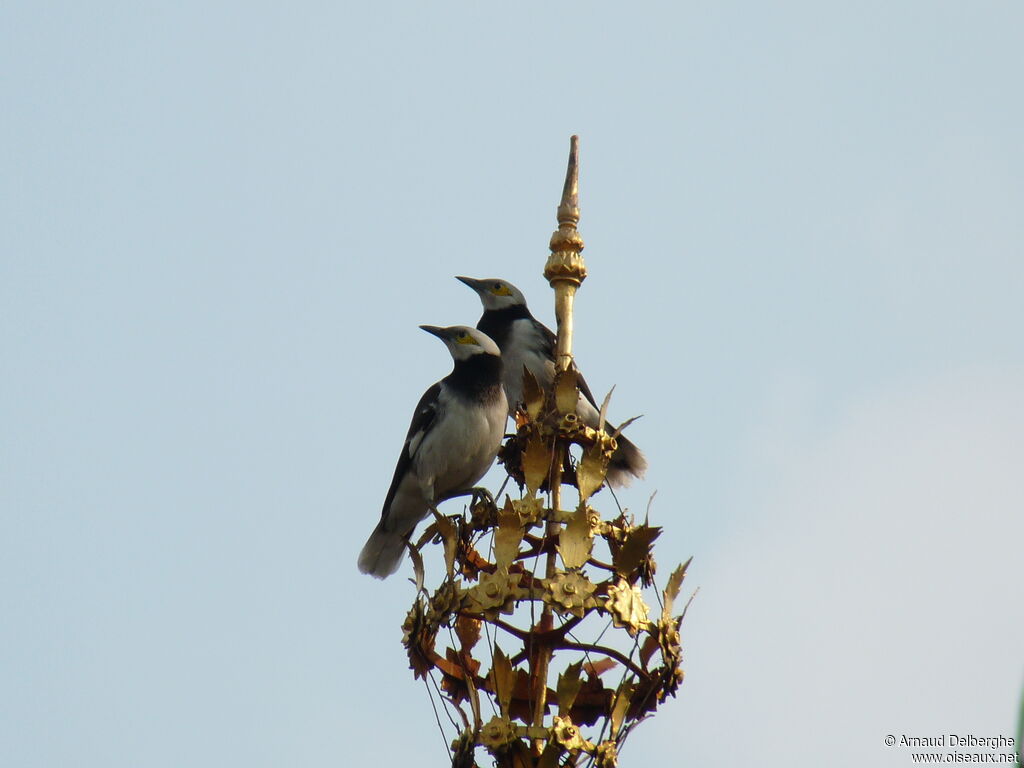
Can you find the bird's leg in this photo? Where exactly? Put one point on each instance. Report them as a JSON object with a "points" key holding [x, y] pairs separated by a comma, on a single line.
{"points": [[482, 494], [476, 494]]}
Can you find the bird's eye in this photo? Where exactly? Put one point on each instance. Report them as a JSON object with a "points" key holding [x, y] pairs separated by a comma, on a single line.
{"points": [[497, 287]]}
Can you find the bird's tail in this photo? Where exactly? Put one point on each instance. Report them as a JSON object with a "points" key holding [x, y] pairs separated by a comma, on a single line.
{"points": [[382, 553], [627, 462]]}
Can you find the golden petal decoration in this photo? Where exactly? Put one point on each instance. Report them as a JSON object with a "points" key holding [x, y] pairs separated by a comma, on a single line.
{"points": [[507, 537], [591, 471], [576, 540], [530, 509], [533, 395], [626, 605], [569, 683], [635, 549], [417, 566], [446, 601], [623, 696], [493, 592], [565, 733], [536, 462], [669, 641], [569, 592], [602, 418], [502, 679], [468, 630], [446, 528], [497, 732], [567, 392], [675, 582]]}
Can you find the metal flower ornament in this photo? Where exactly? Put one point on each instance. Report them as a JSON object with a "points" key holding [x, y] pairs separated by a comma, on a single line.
{"points": [[547, 641]]}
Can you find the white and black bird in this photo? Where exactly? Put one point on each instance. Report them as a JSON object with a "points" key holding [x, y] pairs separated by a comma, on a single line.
{"points": [[527, 343], [452, 442]]}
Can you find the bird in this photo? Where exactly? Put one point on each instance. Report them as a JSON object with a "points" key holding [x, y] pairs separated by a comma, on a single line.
{"points": [[455, 433], [525, 342]]}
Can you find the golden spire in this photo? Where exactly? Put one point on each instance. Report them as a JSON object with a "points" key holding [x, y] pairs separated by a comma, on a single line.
{"points": [[565, 269]]}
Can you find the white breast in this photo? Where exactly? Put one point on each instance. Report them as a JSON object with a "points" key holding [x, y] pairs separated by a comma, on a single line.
{"points": [[460, 448]]}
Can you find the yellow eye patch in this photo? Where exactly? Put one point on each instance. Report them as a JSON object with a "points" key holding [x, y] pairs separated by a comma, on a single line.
{"points": [[465, 338], [500, 289]]}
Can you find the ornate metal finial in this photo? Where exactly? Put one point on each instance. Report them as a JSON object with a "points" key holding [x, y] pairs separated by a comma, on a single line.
{"points": [[505, 600], [565, 269], [569, 209]]}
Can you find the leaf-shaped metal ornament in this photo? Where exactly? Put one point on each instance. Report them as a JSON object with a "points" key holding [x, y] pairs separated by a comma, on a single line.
{"points": [[603, 417], [675, 581], [576, 539], [502, 679], [623, 696], [591, 471], [597, 668], [636, 547], [507, 537], [567, 392], [468, 630], [618, 430], [417, 565], [446, 528], [428, 533], [626, 605], [533, 395], [569, 683], [536, 462], [530, 509]]}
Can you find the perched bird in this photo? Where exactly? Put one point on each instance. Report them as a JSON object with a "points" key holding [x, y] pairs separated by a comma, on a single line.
{"points": [[527, 343], [452, 441]]}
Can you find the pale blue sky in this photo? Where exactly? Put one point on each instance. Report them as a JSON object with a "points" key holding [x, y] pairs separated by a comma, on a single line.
{"points": [[221, 223]]}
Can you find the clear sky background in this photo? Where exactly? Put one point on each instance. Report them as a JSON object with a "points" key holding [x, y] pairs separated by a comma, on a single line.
{"points": [[221, 223]]}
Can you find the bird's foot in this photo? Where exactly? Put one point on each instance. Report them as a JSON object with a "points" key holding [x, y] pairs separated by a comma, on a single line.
{"points": [[481, 495]]}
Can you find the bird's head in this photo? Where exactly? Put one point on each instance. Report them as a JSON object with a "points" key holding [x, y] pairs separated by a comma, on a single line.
{"points": [[463, 342], [495, 293]]}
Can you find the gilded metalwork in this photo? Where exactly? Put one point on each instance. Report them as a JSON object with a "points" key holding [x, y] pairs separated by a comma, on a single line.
{"points": [[606, 755], [493, 594], [511, 615], [568, 736], [570, 593], [626, 605]]}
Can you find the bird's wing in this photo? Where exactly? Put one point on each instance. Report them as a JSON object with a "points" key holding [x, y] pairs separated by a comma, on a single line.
{"points": [[422, 422], [549, 342]]}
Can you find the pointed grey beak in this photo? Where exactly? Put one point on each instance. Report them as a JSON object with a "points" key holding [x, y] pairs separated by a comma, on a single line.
{"points": [[474, 284], [441, 333]]}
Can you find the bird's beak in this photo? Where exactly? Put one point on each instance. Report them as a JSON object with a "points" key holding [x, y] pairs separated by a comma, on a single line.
{"points": [[435, 330], [474, 284]]}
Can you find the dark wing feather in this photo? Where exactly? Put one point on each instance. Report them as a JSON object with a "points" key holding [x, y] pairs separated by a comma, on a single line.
{"points": [[422, 422]]}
